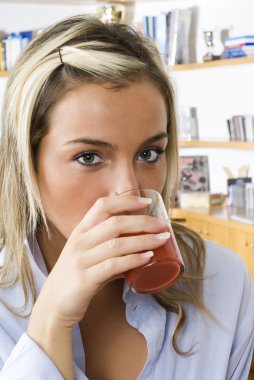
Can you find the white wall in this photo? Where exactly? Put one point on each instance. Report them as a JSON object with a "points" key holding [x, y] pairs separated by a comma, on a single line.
{"points": [[16, 17], [218, 93]]}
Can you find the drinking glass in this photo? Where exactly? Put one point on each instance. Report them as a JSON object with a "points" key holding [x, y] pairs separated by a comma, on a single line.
{"points": [[166, 266]]}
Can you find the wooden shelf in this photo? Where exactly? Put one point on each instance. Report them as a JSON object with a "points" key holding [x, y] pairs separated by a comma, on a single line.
{"points": [[4, 73], [216, 144], [215, 224], [217, 63], [190, 66], [70, 2], [219, 215]]}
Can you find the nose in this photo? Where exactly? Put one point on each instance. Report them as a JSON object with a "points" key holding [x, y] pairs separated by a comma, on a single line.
{"points": [[125, 179]]}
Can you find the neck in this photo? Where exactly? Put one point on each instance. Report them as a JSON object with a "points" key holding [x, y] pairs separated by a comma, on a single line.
{"points": [[107, 304], [50, 246]]}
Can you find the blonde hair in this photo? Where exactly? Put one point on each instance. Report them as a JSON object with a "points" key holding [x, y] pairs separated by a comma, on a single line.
{"points": [[72, 52]]}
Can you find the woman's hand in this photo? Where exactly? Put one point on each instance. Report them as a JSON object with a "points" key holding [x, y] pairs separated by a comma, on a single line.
{"points": [[95, 253]]}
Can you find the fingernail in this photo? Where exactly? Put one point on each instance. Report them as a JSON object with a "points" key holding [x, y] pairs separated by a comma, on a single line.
{"points": [[165, 222], [147, 201], [163, 235], [146, 254]]}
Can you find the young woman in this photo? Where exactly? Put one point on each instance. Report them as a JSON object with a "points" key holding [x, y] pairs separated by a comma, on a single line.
{"points": [[89, 112]]}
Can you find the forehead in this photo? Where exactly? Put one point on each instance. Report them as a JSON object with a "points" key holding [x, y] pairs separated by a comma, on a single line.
{"points": [[100, 112]]}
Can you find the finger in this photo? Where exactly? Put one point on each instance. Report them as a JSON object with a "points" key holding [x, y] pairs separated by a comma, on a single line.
{"points": [[120, 225], [116, 267], [123, 246], [108, 206]]}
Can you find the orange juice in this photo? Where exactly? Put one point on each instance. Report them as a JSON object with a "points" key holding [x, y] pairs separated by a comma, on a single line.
{"points": [[163, 270]]}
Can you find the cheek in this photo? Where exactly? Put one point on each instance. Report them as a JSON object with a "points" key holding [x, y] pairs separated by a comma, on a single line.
{"points": [[162, 176], [154, 178], [67, 195], [66, 204]]}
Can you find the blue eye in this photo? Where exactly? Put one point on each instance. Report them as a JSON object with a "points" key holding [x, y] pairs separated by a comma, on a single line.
{"points": [[150, 155], [88, 159]]}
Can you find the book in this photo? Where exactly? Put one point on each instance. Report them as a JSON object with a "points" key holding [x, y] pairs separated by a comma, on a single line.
{"points": [[27, 36], [235, 55], [12, 46], [182, 36], [174, 33], [161, 35], [150, 27], [241, 128], [173, 37], [230, 130], [154, 26], [183, 45], [231, 41], [145, 26], [244, 51], [168, 22], [237, 46], [248, 121]]}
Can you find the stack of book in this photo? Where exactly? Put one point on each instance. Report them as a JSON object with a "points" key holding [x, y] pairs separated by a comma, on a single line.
{"points": [[174, 34], [241, 128], [11, 46], [241, 46]]}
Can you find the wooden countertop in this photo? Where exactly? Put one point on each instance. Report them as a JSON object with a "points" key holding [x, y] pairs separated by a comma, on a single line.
{"points": [[220, 214]]}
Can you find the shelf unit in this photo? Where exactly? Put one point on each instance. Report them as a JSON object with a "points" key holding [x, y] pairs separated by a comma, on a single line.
{"points": [[196, 66], [205, 65], [213, 64], [70, 2], [182, 67], [216, 144], [213, 143]]}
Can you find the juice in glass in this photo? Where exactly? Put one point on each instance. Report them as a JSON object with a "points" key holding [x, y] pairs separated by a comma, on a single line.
{"points": [[163, 270]]}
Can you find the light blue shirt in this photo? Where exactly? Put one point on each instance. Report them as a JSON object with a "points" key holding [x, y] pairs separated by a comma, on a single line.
{"points": [[223, 349]]}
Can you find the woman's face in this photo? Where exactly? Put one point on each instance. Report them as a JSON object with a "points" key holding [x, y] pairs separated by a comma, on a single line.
{"points": [[101, 141]]}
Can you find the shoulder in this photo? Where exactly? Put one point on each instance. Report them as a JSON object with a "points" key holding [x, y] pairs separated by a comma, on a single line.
{"points": [[224, 263], [227, 282]]}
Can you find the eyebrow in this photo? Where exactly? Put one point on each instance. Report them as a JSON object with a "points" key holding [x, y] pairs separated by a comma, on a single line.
{"points": [[162, 135], [100, 143]]}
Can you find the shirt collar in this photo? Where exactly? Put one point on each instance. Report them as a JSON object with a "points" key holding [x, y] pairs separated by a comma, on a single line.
{"points": [[35, 254]]}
